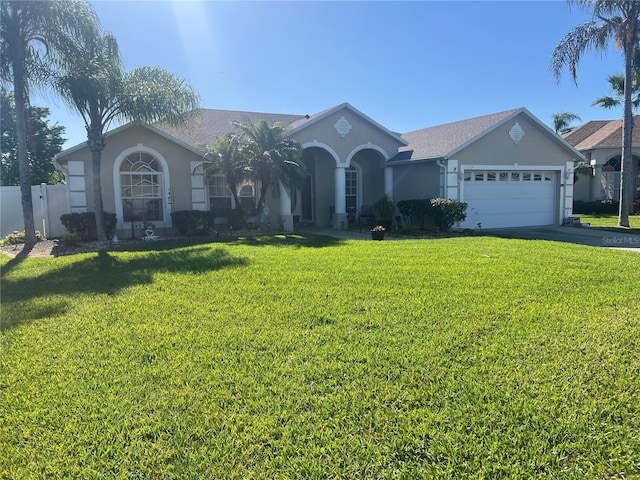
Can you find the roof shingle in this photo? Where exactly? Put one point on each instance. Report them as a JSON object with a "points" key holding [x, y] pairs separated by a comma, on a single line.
{"points": [[437, 141]]}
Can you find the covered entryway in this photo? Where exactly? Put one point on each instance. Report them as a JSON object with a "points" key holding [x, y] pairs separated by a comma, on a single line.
{"points": [[507, 198]]}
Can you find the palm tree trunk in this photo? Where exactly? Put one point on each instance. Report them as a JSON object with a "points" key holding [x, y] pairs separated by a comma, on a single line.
{"points": [[23, 156], [96, 145], [626, 169]]}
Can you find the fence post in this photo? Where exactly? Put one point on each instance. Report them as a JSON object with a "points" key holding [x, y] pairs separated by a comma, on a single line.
{"points": [[44, 208]]}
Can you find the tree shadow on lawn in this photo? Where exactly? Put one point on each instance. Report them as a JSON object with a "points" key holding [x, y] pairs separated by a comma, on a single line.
{"points": [[284, 240], [289, 240], [102, 273]]}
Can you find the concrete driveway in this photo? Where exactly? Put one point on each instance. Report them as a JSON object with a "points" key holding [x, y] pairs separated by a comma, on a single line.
{"points": [[582, 236]]}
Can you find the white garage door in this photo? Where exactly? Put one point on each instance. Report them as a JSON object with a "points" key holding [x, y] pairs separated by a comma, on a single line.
{"points": [[503, 198]]}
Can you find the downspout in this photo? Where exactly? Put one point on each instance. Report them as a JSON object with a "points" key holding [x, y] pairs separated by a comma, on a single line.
{"points": [[443, 177]]}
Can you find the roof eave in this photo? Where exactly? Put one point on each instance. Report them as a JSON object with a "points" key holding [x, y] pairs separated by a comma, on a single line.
{"points": [[124, 127]]}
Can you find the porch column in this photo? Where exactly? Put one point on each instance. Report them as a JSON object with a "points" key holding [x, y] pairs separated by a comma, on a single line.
{"points": [[286, 219], [388, 182], [340, 216]]}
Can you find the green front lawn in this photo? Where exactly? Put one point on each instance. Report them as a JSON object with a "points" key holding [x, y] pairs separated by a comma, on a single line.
{"points": [[610, 222], [319, 358]]}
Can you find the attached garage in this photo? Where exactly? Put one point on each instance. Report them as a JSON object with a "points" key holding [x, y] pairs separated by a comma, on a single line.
{"points": [[509, 198], [510, 168]]}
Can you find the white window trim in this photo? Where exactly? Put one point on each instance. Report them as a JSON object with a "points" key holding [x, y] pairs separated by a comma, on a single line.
{"points": [[358, 170], [117, 185]]}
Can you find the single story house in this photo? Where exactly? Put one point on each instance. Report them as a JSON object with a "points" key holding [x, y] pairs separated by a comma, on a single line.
{"points": [[600, 141], [510, 168]]}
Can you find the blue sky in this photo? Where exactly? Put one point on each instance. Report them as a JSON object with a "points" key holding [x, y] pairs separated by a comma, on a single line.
{"points": [[408, 65]]}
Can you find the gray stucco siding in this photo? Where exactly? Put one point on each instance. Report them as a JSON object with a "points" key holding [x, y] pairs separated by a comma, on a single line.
{"points": [[498, 148], [419, 180]]}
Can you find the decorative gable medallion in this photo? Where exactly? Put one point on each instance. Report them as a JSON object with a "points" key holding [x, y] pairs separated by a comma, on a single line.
{"points": [[342, 126], [516, 133]]}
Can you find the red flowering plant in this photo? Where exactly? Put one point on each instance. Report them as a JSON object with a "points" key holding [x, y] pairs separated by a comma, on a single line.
{"points": [[378, 228]]}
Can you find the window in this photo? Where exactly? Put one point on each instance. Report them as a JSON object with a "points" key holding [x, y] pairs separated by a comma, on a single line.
{"points": [[141, 188], [491, 176], [504, 176], [537, 177], [219, 195], [351, 189], [526, 176], [467, 176], [247, 197], [478, 177], [515, 176]]}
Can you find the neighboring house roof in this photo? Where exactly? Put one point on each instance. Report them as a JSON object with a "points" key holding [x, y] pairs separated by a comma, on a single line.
{"points": [[601, 133]]}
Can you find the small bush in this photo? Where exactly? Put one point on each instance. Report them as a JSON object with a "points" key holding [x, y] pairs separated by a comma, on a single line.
{"points": [[446, 212], [237, 218], [413, 211], [192, 222], [71, 238], [84, 224], [597, 207], [443, 212], [17, 238]]}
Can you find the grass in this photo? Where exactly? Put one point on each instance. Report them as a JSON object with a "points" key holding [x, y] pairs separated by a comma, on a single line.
{"points": [[610, 222], [295, 357]]}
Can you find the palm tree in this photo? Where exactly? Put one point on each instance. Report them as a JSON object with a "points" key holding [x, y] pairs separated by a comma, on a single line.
{"points": [[562, 121], [273, 158], [97, 87], [617, 87], [619, 21], [225, 157], [35, 35]]}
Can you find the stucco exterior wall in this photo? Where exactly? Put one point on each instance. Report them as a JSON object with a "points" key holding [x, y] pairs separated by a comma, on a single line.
{"points": [[418, 180], [361, 135], [498, 148], [178, 161]]}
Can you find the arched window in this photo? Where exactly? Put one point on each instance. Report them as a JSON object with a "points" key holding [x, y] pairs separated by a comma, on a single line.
{"points": [[141, 188]]}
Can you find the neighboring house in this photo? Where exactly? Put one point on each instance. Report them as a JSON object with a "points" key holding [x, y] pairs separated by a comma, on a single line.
{"points": [[509, 167], [600, 141]]}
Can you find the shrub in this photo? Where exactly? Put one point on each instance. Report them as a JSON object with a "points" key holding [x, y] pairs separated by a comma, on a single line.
{"points": [[17, 238], [193, 222], [442, 211], [446, 212], [413, 211], [597, 207], [237, 218], [84, 224], [71, 238], [384, 209]]}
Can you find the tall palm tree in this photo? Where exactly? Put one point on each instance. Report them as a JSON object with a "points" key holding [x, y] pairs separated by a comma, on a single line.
{"points": [[273, 157], [35, 35], [562, 121], [225, 157], [97, 87], [619, 21]]}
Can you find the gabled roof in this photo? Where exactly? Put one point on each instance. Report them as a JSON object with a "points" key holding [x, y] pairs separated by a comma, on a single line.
{"points": [[444, 141], [440, 140], [307, 121], [601, 134]]}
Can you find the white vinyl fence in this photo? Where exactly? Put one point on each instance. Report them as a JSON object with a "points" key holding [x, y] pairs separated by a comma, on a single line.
{"points": [[49, 203]]}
